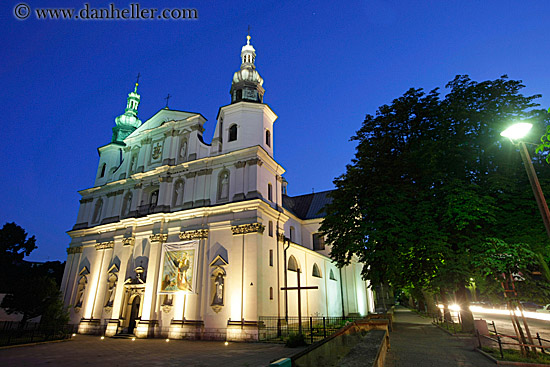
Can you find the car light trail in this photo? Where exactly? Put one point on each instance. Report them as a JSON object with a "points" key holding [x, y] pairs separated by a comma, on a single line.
{"points": [[528, 314]]}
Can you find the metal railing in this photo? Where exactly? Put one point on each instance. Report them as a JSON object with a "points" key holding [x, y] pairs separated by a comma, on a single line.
{"points": [[314, 328], [13, 332], [502, 340]]}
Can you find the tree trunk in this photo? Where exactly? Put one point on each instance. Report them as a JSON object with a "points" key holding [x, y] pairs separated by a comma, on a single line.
{"points": [[446, 313], [430, 303], [466, 316]]}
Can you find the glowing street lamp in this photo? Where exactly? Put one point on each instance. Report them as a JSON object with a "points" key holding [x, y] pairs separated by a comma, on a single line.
{"points": [[515, 133]]}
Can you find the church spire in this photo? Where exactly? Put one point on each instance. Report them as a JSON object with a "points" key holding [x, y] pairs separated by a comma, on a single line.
{"points": [[247, 82], [128, 122]]}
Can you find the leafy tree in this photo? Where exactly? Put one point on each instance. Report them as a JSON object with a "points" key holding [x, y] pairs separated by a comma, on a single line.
{"points": [[33, 296], [431, 180], [14, 245]]}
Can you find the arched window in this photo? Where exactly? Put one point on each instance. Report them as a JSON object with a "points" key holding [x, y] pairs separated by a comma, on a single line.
{"points": [[268, 138], [269, 192], [126, 204], [270, 228], [270, 292], [97, 211], [223, 185], [292, 264], [232, 133], [103, 168], [332, 277], [177, 196], [316, 271]]}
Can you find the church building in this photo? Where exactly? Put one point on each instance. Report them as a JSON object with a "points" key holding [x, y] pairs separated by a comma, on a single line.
{"points": [[182, 238]]}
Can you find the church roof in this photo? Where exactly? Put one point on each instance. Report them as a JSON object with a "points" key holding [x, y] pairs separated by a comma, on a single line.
{"points": [[309, 206]]}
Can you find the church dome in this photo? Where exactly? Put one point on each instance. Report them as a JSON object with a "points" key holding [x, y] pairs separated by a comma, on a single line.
{"points": [[247, 74]]}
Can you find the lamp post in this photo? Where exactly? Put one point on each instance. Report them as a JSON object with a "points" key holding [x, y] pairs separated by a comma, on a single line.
{"points": [[517, 132]]}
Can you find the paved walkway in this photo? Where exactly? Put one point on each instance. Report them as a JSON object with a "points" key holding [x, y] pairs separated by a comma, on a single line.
{"points": [[86, 350], [416, 342]]}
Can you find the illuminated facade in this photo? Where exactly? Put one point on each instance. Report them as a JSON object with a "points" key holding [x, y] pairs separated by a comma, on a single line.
{"points": [[184, 239]]}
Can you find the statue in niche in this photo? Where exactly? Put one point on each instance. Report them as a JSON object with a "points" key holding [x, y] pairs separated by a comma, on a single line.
{"points": [[127, 204], [111, 286], [218, 289], [133, 164], [80, 293], [178, 193], [218, 294], [97, 211], [224, 186], [183, 150]]}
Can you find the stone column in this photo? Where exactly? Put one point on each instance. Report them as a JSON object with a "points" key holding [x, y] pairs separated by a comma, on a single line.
{"points": [[253, 168], [239, 181], [114, 322], [189, 194], [148, 321]]}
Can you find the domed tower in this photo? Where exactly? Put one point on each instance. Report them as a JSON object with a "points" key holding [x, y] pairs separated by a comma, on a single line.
{"points": [[247, 121], [127, 122], [247, 82], [110, 155]]}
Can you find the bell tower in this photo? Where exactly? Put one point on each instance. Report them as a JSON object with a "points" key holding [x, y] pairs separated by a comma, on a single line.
{"points": [[247, 82], [247, 121]]}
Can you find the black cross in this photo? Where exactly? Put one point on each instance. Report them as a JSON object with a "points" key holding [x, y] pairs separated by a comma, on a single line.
{"points": [[137, 78], [299, 289], [167, 99]]}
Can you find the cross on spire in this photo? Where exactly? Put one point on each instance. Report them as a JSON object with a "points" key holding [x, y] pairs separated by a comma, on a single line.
{"points": [[167, 98]]}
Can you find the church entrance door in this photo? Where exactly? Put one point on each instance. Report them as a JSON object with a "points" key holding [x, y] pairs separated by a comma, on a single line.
{"points": [[134, 313]]}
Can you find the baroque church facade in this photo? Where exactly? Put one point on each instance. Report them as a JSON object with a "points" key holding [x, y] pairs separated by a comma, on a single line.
{"points": [[182, 238]]}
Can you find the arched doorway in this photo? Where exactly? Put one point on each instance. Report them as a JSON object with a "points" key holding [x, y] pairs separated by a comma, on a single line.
{"points": [[134, 314]]}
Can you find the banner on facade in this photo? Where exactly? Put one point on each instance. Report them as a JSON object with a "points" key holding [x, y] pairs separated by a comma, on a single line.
{"points": [[179, 267]]}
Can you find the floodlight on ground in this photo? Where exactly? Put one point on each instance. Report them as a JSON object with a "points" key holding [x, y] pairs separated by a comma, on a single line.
{"points": [[517, 131]]}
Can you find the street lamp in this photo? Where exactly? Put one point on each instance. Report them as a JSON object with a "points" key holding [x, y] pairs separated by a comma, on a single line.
{"points": [[515, 133]]}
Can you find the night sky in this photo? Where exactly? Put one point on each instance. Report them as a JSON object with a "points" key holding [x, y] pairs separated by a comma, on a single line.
{"points": [[325, 65]]}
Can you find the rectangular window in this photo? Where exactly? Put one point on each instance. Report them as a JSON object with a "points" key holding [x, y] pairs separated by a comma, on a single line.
{"points": [[270, 257], [270, 229], [318, 241]]}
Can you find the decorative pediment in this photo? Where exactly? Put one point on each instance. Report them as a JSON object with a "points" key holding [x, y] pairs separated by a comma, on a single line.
{"points": [[113, 269], [84, 271], [219, 261], [161, 238], [194, 235], [248, 228]]}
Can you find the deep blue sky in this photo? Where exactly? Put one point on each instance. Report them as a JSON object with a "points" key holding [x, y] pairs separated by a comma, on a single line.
{"points": [[325, 64]]}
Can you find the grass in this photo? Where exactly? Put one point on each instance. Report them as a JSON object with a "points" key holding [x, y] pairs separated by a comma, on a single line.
{"points": [[515, 356]]}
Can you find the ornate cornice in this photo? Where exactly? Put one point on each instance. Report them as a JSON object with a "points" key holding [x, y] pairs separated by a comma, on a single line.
{"points": [[240, 164], [138, 185], [88, 200], [147, 140], [128, 241], [127, 148], [74, 250], [104, 245], [161, 238], [280, 178], [190, 174], [165, 179], [281, 237], [248, 228], [194, 235]]}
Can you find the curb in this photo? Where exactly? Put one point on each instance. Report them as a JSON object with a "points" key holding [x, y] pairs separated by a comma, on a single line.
{"points": [[510, 363], [31, 344]]}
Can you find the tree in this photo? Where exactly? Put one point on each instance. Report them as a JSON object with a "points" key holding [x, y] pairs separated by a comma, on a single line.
{"points": [[14, 245], [431, 180], [32, 296]]}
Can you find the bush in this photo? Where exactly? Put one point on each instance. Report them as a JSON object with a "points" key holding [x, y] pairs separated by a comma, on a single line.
{"points": [[296, 340]]}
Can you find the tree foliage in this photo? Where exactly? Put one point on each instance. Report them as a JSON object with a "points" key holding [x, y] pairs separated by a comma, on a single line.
{"points": [[431, 181]]}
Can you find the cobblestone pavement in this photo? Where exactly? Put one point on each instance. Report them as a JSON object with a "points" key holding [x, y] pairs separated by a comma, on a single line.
{"points": [[86, 350], [416, 342]]}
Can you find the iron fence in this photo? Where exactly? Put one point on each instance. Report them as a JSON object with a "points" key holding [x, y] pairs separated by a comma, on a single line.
{"points": [[511, 340], [314, 328], [13, 332]]}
